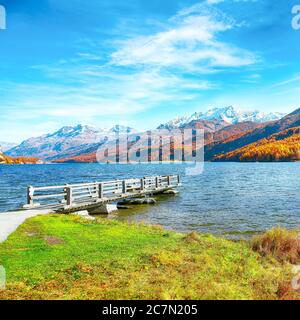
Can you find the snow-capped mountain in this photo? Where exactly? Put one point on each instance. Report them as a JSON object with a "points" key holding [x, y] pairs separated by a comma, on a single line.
{"points": [[229, 115], [121, 129], [66, 141], [89, 133], [233, 115]]}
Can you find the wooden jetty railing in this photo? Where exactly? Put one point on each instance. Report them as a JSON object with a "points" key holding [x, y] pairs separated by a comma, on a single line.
{"points": [[70, 196]]}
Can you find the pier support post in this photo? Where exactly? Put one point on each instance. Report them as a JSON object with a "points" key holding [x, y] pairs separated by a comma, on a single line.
{"points": [[124, 187], [169, 180], [100, 191], [69, 196], [30, 192]]}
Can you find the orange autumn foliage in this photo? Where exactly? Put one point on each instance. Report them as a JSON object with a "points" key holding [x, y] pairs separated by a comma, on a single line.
{"points": [[282, 146], [19, 160]]}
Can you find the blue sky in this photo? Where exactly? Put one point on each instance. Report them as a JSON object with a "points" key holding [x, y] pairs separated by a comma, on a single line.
{"points": [[142, 62]]}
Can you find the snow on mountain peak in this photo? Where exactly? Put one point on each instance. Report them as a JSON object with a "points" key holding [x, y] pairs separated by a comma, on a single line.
{"points": [[230, 115], [78, 130], [121, 129]]}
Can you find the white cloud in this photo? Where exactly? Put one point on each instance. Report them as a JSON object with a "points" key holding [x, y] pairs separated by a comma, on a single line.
{"points": [[287, 82], [100, 93], [190, 43]]}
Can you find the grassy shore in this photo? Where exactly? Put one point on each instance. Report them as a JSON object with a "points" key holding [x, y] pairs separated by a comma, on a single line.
{"points": [[67, 257]]}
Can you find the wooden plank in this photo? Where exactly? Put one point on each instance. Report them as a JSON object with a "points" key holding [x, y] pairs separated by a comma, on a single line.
{"points": [[48, 188], [47, 196]]}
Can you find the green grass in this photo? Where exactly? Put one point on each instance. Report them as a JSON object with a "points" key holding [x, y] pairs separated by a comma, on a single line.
{"points": [[66, 257]]}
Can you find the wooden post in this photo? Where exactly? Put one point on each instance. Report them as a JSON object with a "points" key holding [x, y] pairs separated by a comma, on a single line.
{"points": [[156, 182], [69, 196], [178, 179], [169, 180], [30, 192], [142, 184], [100, 191], [124, 189]]}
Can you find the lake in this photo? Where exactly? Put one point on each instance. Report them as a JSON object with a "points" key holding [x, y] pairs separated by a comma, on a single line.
{"points": [[235, 200]]}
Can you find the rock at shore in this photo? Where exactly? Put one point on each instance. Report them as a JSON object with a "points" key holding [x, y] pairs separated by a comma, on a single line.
{"points": [[137, 201]]}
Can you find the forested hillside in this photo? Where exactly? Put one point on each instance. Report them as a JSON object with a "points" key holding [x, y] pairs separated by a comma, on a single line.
{"points": [[283, 146], [19, 160]]}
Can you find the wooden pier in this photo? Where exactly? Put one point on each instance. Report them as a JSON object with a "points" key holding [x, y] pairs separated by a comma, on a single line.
{"points": [[90, 196]]}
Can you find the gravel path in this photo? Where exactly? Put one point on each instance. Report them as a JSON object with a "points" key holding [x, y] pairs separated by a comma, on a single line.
{"points": [[9, 221]]}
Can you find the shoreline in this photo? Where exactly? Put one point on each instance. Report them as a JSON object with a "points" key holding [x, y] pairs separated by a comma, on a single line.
{"points": [[146, 163]]}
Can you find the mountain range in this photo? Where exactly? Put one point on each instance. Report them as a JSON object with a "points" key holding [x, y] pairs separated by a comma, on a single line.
{"points": [[226, 129], [265, 134], [67, 142], [227, 115]]}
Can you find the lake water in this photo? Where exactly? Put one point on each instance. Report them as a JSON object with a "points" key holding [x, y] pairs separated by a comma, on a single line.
{"points": [[235, 200]]}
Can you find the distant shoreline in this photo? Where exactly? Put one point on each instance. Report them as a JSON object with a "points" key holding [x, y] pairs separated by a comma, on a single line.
{"points": [[145, 163]]}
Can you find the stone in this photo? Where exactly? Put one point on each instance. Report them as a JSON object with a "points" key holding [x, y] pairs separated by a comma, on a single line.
{"points": [[103, 209], [137, 201], [29, 206], [123, 207], [84, 214], [171, 191]]}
